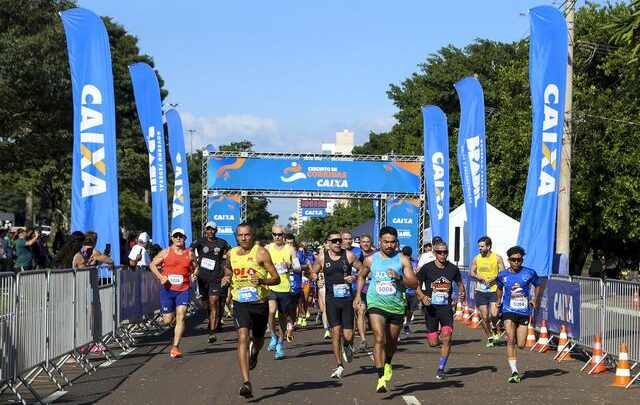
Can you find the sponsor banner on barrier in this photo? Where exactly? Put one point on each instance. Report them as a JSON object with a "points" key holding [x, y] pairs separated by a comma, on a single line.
{"points": [[313, 175], [130, 300], [224, 210], [403, 214], [560, 305], [547, 77], [314, 212]]}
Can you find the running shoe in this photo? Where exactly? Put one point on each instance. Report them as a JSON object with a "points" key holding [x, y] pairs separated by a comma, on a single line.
{"points": [[279, 351], [388, 372], [337, 372], [245, 390], [440, 374], [496, 337], [489, 342], [347, 353], [407, 330], [363, 346], [304, 322], [299, 321], [381, 388], [272, 343], [327, 334], [212, 337], [289, 335], [175, 352], [515, 377]]}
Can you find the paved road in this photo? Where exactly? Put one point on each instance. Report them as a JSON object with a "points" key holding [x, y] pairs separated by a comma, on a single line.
{"points": [[209, 374]]}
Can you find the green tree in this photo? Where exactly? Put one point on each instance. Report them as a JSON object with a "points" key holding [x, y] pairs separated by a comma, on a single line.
{"points": [[345, 216]]}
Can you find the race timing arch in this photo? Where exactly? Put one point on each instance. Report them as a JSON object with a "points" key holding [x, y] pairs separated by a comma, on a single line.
{"points": [[396, 182]]}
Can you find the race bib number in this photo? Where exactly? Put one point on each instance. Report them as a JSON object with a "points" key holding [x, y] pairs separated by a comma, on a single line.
{"points": [[341, 290], [176, 279], [247, 294], [482, 287], [385, 288], [439, 298], [281, 269], [518, 302], [208, 264]]}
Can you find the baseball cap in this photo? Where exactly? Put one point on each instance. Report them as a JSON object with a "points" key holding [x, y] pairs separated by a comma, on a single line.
{"points": [[436, 239], [143, 237], [211, 224], [178, 230]]}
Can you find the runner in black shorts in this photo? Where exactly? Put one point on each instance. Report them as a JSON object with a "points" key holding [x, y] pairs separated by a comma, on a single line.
{"points": [[335, 264], [210, 253], [437, 278]]}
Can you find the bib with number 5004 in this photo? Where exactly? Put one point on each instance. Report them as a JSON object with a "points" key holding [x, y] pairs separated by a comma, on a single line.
{"points": [[385, 288]]}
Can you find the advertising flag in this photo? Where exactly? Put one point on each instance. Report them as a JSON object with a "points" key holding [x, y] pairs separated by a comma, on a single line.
{"points": [[472, 158], [403, 214], [181, 210], [147, 93], [436, 169], [547, 75], [94, 179], [224, 210], [376, 222]]}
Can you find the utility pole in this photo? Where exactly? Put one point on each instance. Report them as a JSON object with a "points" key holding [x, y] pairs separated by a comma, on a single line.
{"points": [[564, 189], [191, 131]]}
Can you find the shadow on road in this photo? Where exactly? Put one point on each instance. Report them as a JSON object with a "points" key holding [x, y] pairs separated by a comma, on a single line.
{"points": [[405, 389], [297, 386], [372, 369], [543, 373], [460, 371], [310, 353]]}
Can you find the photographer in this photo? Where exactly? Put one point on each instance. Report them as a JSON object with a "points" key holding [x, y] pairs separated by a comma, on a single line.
{"points": [[90, 256], [24, 251]]}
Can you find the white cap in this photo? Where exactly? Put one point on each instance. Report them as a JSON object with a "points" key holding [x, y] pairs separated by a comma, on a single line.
{"points": [[143, 237], [211, 224], [178, 230]]}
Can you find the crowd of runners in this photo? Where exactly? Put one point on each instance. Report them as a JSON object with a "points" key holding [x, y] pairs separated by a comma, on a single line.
{"points": [[270, 289]]}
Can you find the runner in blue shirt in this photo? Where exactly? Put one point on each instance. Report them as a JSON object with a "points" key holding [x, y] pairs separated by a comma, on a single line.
{"points": [[514, 298]]}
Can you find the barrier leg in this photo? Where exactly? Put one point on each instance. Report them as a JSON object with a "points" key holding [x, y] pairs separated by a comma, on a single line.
{"points": [[16, 393], [595, 367], [633, 379], [46, 370], [58, 368], [31, 390]]}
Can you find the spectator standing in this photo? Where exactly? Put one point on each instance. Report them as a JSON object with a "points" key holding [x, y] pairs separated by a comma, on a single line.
{"points": [[24, 251]]}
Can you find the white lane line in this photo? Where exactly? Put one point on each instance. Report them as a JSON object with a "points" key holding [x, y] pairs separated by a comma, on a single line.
{"points": [[410, 400]]}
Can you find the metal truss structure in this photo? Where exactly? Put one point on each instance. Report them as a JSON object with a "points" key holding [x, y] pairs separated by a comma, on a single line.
{"points": [[277, 193]]}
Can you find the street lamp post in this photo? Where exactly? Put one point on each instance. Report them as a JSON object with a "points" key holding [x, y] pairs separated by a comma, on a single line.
{"points": [[191, 131]]}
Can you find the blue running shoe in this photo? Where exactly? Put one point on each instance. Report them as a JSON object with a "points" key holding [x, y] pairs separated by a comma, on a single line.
{"points": [[279, 351], [273, 343]]}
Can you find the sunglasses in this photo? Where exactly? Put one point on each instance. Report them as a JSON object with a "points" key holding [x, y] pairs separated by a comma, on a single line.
{"points": [[179, 236], [277, 234], [515, 259], [441, 252], [211, 229], [336, 240]]}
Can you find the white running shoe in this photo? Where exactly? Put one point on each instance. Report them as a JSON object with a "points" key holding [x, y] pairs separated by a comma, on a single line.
{"points": [[337, 372]]}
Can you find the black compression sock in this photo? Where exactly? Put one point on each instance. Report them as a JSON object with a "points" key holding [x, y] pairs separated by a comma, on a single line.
{"points": [[387, 360], [380, 372]]}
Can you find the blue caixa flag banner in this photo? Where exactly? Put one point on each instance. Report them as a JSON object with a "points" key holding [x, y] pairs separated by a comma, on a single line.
{"points": [[547, 75], [224, 210], [94, 183], [403, 214], [181, 208]]}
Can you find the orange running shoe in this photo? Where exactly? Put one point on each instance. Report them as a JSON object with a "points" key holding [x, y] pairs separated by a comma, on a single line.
{"points": [[175, 352]]}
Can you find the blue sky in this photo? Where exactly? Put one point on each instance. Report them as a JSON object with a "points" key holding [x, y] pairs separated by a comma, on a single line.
{"points": [[287, 74]]}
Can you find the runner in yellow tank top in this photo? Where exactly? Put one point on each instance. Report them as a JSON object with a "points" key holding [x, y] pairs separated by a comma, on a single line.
{"points": [[249, 271], [485, 268], [285, 260]]}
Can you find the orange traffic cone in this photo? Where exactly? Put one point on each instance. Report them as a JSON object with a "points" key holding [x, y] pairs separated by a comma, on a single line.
{"points": [[542, 345], [531, 334], [635, 301], [475, 319], [458, 315], [466, 314], [597, 363], [563, 346], [623, 373]]}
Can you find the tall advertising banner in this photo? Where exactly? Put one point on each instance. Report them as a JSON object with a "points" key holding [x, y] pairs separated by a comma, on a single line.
{"points": [[472, 158], [224, 210], [94, 179], [181, 210], [436, 169], [376, 222], [547, 75], [403, 214], [147, 94]]}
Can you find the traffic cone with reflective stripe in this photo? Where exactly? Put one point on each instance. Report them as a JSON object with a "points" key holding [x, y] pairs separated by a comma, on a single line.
{"points": [[623, 373], [542, 345], [597, 364], [458, 315], [475, 319], [466, 315], [563, 346], [531, 334]]}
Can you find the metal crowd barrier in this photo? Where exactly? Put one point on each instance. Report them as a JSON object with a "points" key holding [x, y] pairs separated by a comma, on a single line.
{"points": [[49, 316], [621, 317]]}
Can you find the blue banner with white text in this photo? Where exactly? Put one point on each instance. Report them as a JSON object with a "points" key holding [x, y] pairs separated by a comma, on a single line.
{"points": [[314, 212], [224, 210], [181, 209], [403, 214], [147, 94], [436, 169], [94, 180], [472, 159], [376, 222], [328, 174], [547, 76], [560, 305]]}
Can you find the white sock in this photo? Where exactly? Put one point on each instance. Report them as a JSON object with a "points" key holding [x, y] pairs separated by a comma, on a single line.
{"points": [[512, 364]]}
